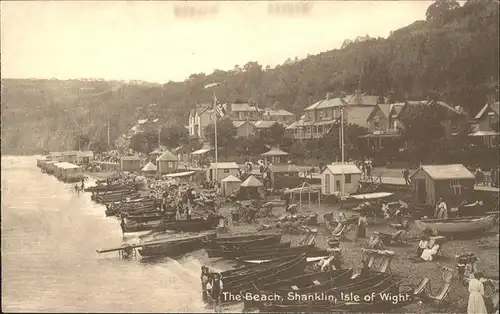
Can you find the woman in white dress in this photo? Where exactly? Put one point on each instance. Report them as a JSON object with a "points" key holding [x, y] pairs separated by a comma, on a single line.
{"points": [[476, 301], [428, 254]]}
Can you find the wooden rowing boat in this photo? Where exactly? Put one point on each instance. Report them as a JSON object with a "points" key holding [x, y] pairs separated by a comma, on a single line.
{"points": [[297, 264], [192, 225], [239, 252], [133, 226], [247, 272], [175, 247], [242, 238], [244, 243], [354, 285], [457, 226], [306, 283], [308, 250]]}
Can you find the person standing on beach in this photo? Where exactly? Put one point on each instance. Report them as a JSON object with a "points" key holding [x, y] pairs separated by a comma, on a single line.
{"points": [[476, 302], [362, 223], [217, 288], [406, 176], [442, 209]]}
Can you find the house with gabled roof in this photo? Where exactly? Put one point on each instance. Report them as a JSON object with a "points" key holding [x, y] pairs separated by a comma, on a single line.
{"points": [[200, 117], [485, 125], [322, 116], [384, 125]]}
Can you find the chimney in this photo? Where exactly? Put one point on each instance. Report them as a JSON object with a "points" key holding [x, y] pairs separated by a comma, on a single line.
{"points": [[357, 97], [328, 95]]}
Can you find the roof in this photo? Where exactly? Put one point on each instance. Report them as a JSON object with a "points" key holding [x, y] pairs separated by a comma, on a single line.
{"points": [[149, 167], [201, 151], [370, 100], [275, 152], [70, 152], [130, 158], [484, 133], [66, 165], [396, 109], [325, 103], [494, 107], [156, 151], [180, 174], [230, 178], [244, 107], [167, 156], [444, 172], [343, 168], [251, 181], [359, 114], [385, 108], [86, 153], [238, 124], [284, 168], [142, 121], [224, 165], [277, 112], [264, 124]]}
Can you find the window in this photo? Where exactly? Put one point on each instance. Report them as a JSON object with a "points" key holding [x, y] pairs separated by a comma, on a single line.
{"points": [[348, 178], [226, 170], [456, 187], [321, 114]]}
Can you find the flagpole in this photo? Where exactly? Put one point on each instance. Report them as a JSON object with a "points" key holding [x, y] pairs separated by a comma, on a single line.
{"points": [[215, 131]]}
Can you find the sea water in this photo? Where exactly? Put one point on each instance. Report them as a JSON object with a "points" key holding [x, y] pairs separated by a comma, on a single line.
{"points": [[49, 262]]}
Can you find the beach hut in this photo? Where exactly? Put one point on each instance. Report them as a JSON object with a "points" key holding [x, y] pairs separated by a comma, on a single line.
{"points": [[455, 183], [130, 163], [331, 179], [283, 176], [275, 156], [85, 157], [155, 154], [224, 169], [70, 156], [149, 169], [68, 172], [251, 188], [167, 162], [230, 184], [55, 156]]}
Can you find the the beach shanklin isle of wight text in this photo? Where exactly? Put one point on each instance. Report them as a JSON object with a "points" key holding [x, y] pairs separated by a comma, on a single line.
{"points": [[319, 296]]}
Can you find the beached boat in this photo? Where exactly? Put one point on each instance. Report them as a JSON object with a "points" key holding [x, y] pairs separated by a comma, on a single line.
{"points": [[305, 283], [375, 282], [239, 252], [133, 226], [105, 188], [247, 272], [192, 225], [249, 262], [146, 216], [354, 200], [457, 226], [175, 247], [308, 250], [286, 269], [244, 242]]}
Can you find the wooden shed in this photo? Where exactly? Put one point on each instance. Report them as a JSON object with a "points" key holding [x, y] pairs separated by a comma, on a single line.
{"points": [[167, 162], [68, 172], [154, 155], [230, 184], [70, 156], [85, 157], [452, 182], [274, 156], [224, 169], [130, 163], [149, 169], [251, 188], [331, 179], [283, 176]]}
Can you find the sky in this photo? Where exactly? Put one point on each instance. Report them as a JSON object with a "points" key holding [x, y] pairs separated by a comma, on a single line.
{"points": [[163, 41]]}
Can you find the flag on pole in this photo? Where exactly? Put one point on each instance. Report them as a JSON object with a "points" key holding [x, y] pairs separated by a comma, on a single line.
{"points": [[220, 109]]}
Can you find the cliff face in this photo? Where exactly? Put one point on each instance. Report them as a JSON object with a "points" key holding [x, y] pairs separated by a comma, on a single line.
{"points": [[454, 60]]}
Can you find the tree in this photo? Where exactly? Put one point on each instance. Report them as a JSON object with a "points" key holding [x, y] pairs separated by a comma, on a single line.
{"points": [[173, 136], [423, 131], [438, 11], [226, 133], [144, 142]]}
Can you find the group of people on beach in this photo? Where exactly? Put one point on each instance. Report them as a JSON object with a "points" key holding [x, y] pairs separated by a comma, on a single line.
{"points": [[211, 286]]}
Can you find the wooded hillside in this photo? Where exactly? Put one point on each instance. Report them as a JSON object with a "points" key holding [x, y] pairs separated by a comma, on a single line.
{"points": [[453, 56]]}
